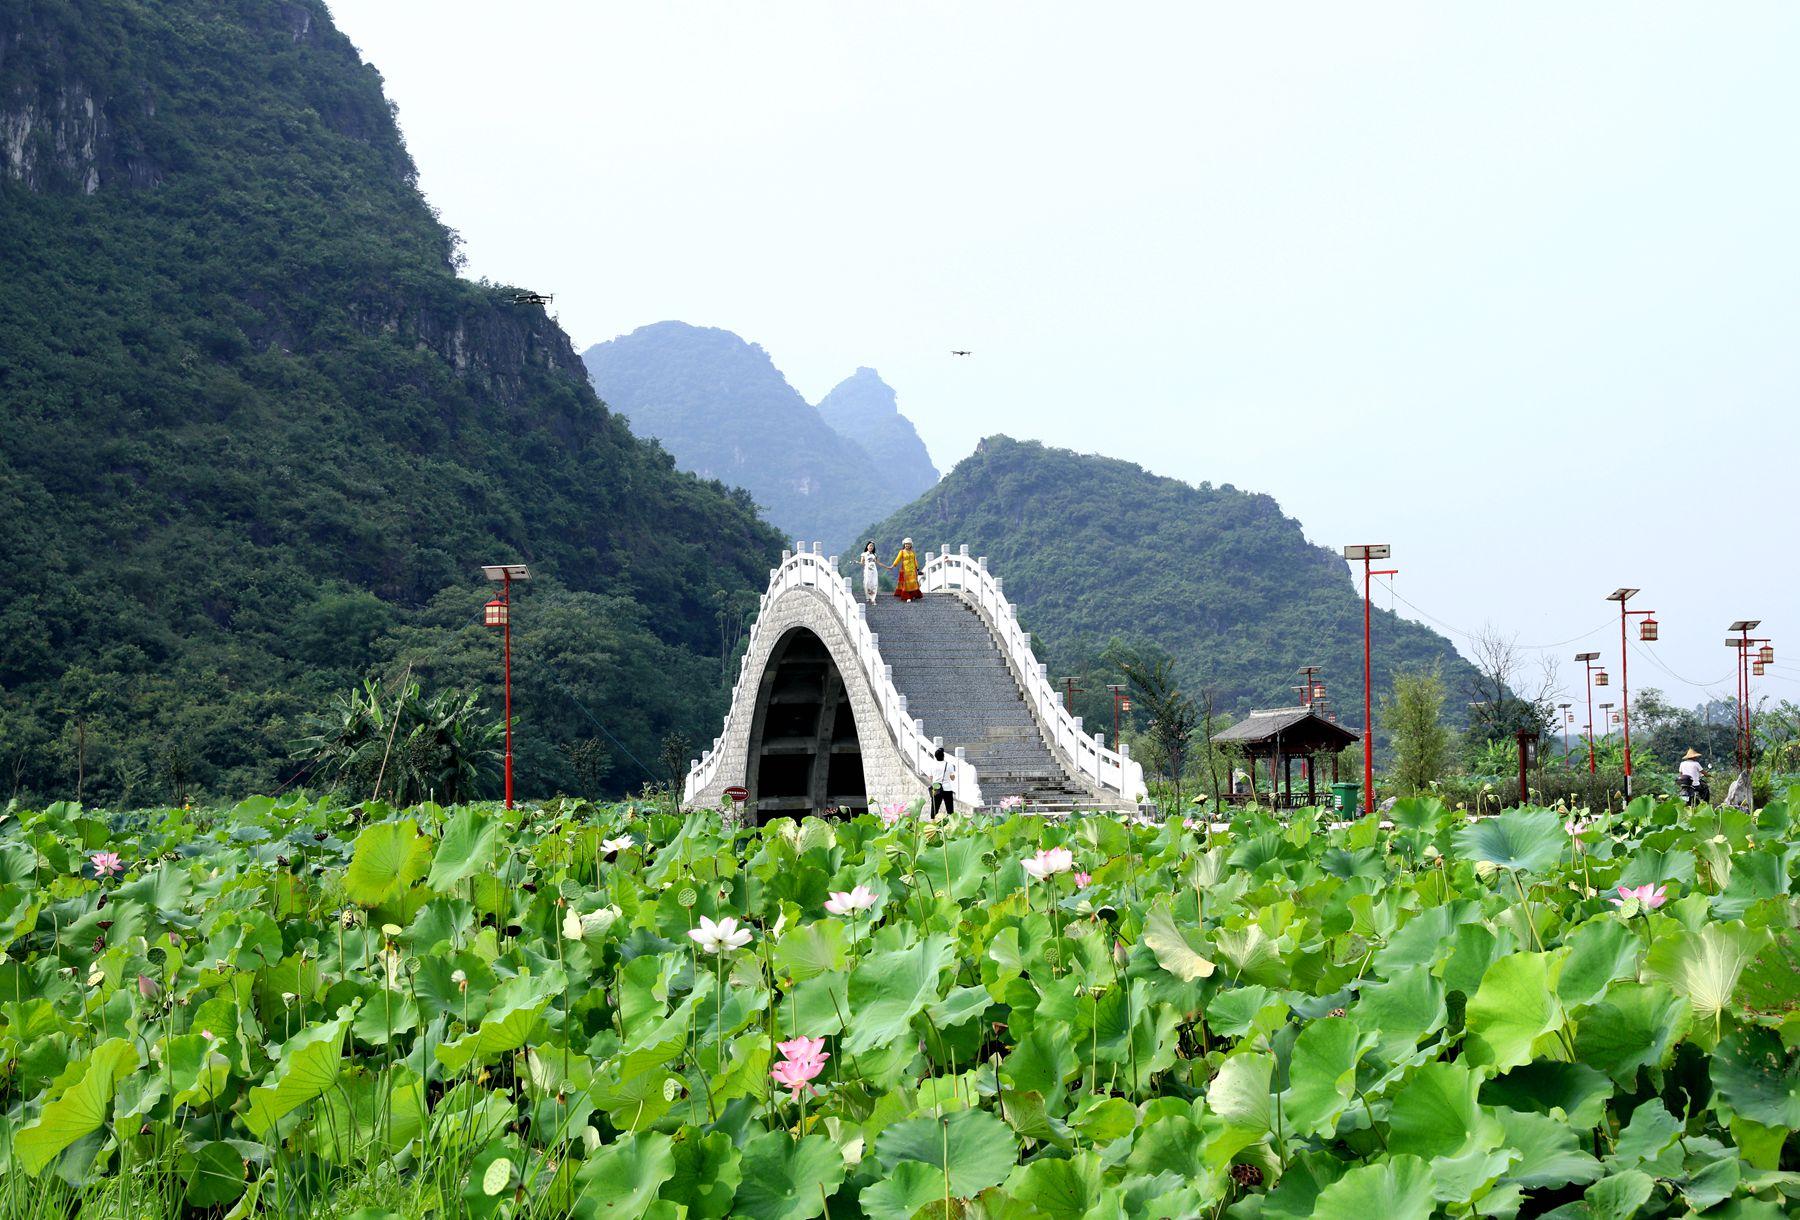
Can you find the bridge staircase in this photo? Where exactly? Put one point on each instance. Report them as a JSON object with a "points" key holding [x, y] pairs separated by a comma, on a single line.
{"points": [[945, 661]]}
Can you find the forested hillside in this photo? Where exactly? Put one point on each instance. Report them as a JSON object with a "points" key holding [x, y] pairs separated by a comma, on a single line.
{"points": [[723, 409], [1092, 548], [256, 436]]}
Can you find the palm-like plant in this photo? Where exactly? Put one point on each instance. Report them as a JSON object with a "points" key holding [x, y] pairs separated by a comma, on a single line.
{"points": [[408, 748]]}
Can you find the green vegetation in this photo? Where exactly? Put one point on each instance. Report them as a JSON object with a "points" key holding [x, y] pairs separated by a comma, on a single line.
{"points": [[300, 1009], [1217, 578], [256, 436], [1413, 719]]}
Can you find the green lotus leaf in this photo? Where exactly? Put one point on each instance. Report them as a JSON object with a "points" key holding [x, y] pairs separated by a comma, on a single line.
{"points": [[81, 1110], [904, 1191], [1636, 1025], [971, 1148], [1618, 1197], [1435, 1111], [708, 1169], [389, 856], [1399, 1012], [468, 846], [216, 1176], [889, 989], [1600, 951], [1323, 1075], [787, 1179], [621, 1180], [1704, 967], [1174, 951], [309, 1064], [1758, 1077], [1522, 840], [1514, 1007], [1399, 1188], [1550, 1152], [1061, 1189], [1239, 1094]]}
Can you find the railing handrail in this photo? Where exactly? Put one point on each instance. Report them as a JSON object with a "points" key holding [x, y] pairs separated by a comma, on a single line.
{"points": [[808, 568], [1112, 769]]}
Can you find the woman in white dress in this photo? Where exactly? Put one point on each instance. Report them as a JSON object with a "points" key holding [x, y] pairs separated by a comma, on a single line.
{"points": [[871, 573]]}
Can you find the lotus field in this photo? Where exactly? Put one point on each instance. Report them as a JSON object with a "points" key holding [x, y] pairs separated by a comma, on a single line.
{"points": [[296, 1009]]}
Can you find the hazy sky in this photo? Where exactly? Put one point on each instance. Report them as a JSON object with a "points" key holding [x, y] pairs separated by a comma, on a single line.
{"points": [[1513, 288]]}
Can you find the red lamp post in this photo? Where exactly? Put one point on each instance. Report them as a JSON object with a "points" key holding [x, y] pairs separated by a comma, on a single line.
{"points": [[498, 613], [1070, 691], [1367, 553], [1647, 631], [1587, 659], [1750, 661]]}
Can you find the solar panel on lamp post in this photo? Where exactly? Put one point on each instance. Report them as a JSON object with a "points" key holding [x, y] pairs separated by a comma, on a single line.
{"points": [[498, 613]]}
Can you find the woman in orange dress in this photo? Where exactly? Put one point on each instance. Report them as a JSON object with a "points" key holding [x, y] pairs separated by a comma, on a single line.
{"points": [[906, 573]]}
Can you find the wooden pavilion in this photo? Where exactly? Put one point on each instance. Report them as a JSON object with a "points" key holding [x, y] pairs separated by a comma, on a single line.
{"points": [[1281, 735]]}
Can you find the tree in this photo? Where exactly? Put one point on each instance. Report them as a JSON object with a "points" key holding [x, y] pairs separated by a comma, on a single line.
{"points": [[407, 746], [1173, 716], [1507, 692], [675, 756], [1413, 713]]}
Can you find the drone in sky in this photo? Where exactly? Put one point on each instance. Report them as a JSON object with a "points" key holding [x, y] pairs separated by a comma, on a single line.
{"points": [[956, 352], [532, 298]]}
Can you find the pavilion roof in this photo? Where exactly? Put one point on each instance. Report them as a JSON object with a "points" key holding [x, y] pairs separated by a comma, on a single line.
{"points": [[1300, 725]]}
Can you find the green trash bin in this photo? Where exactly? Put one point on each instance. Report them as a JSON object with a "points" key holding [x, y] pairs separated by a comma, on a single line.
{"points": [[1344, 798]]}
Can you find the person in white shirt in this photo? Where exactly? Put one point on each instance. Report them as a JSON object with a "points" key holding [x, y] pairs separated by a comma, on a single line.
{"points": [[1693, 778], [871, 572], [943, 783]]}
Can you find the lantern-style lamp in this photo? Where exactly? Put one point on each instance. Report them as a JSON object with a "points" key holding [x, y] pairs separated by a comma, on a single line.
{"points": [[1647, 629], [1600, 679], [495, 613], [1766, 655], [1759, 669]]}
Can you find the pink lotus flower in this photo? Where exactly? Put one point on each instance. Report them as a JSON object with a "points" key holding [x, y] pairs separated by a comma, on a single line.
{"points": [[891, 814], [802, 1060], [1082, 879], [1649, 896], [843, 903], [1048, 863], [803, 1049], [147, 987], [107, 863]]}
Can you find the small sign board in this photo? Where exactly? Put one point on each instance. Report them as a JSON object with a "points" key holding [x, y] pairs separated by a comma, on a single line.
{"points": [[737, 795]]}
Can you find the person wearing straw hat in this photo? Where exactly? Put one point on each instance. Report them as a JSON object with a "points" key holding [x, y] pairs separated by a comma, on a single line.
{"points": [[906, 573], [1693, 779]]}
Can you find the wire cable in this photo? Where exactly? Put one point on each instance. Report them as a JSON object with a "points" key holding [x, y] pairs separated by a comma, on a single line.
{"points": [[1470, 635]]}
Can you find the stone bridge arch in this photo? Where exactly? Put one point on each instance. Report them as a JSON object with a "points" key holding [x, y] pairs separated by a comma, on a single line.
{"points": [[817, 720]]}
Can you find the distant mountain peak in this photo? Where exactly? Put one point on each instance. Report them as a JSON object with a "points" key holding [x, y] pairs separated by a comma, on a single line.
{"points": [[719, 405], [865, 409]]}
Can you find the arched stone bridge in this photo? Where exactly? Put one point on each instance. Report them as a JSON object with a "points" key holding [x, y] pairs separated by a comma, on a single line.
{"points": [[839, 703]]}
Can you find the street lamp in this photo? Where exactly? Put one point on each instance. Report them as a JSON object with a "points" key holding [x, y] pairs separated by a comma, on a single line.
{"points": [[1607, 720], [1745, 670], [1073, 690], [1367, 553], [1647, 631], [1121, 703], [1587, 659], [498, 613], [1566, 720]]}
